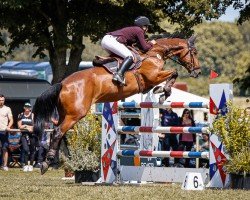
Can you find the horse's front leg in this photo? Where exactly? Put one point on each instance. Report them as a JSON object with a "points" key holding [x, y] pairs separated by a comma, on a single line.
{"points": [[166, 75], [54, 146], [166, 89]]}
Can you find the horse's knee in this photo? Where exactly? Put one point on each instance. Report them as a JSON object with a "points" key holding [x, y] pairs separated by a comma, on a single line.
{"points": [[175, 74], [158, 89]]}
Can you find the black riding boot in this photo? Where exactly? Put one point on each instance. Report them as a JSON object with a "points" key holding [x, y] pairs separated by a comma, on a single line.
{"points": [[119, 76]]}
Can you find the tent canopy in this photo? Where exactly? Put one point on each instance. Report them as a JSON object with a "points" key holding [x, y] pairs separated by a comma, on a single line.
{"points": [[176, 96]]}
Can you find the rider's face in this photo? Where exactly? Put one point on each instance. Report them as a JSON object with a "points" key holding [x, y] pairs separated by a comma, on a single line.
{"points": [[145, 28]]}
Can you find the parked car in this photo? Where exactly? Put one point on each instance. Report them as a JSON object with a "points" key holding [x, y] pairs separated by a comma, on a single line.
{"points": [[40, 70], [18, 68]]}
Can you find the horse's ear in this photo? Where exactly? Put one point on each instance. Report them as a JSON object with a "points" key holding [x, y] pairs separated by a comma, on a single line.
{"points": [[191, 40]]}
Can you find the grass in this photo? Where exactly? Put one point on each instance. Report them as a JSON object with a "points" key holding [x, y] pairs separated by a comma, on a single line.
{"points": [[16, 184]]}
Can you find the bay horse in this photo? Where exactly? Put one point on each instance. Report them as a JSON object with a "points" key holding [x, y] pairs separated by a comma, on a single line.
{"points": [[73, 97]]}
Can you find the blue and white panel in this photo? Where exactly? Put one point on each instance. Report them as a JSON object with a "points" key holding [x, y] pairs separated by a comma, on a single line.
{"points": [[109, 144]]}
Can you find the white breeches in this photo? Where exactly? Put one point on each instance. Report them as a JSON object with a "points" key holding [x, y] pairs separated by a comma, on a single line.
{"points": [[110, 44]]}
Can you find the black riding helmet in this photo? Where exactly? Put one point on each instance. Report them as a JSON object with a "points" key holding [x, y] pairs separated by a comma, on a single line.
{"points": [[142, 21]]}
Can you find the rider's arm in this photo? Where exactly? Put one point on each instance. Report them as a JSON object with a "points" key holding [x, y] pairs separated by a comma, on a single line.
{"points": [[144, 45]]}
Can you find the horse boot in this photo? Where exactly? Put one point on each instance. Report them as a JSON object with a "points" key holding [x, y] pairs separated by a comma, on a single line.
{"points": [[54, 144], [49, 159], [119, 76]]}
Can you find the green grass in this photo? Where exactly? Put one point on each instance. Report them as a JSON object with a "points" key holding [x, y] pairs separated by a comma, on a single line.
{"points": [[16, 184]]}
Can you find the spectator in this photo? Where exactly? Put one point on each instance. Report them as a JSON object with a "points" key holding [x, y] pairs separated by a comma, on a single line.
{"points": [[54, 121], [204, 147], [169, 118], [186, 140], [204, 142], [28, 139], [6, 121], [43, 146], [130, 139]]}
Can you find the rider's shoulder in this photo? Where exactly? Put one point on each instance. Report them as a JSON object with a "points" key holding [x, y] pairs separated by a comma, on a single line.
{"points": [[134, 28]]}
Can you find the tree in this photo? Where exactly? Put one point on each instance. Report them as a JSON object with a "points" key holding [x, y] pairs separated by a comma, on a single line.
{"points": [[244, 12], [58, 26]]}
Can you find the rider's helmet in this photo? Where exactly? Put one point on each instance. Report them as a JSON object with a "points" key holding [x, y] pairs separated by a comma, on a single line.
{"points": [[142, 21]]}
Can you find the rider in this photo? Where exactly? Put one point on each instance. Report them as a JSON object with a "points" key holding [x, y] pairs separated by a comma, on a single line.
{"points": [[117, 42]]}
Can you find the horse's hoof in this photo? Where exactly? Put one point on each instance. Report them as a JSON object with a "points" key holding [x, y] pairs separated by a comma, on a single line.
{"points": [[167, 94], [162, 99], [44, 167]]}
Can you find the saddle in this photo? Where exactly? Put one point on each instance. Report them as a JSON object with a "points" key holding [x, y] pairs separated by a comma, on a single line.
{"points": [[113, 62]]}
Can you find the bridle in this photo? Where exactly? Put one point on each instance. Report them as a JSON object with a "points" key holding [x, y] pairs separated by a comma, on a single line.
{"points": [[169, 54]]}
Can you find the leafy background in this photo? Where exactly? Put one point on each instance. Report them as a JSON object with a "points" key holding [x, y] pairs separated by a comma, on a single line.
{"points": [[222, 46]]}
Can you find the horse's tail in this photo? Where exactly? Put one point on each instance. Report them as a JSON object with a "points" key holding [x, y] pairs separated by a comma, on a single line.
{"points": [[45, 106]]}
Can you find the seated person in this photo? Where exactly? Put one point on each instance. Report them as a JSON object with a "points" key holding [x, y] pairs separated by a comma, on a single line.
{"points": [[204, 142], [204, 147]]}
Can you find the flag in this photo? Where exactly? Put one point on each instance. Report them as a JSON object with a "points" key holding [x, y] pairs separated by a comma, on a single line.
{"points": [[213, 74]]}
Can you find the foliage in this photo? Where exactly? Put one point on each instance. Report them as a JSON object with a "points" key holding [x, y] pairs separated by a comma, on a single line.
{"points": [[56, 28], [244, 12], [240, 162], [223, 47], [85, 145], [61, 30], [234, 130]]}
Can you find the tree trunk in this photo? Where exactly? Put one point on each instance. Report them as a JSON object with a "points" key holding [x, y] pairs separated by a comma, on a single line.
{"points": [[58, 63], [75, 55]]}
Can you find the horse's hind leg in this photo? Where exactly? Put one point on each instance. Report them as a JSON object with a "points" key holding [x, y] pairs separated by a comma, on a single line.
{"points": [[55, 140]]}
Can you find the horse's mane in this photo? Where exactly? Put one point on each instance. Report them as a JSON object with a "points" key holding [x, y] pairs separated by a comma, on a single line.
{"points": [[168, 35]]}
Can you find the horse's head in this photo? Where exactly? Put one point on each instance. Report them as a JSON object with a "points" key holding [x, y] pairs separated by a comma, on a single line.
{"points": [[183, 52]]}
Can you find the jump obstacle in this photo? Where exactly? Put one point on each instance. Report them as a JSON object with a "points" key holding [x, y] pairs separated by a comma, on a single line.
{"points": [[113, 171]]}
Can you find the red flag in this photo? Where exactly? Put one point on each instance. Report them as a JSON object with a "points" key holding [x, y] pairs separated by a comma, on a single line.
{"points": [[212, 107], [213, 74]]}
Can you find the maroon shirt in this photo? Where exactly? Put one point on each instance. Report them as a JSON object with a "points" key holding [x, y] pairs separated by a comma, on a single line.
{"points": [[130, 35]]}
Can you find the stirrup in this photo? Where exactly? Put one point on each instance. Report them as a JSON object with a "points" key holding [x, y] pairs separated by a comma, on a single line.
{"points": [[119, 78]]}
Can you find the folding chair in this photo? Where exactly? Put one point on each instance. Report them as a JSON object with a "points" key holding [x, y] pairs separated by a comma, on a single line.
{"points": [[14, 149]]}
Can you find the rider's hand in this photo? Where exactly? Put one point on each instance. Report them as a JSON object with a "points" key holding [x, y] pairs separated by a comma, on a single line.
{"points": [[153, 41]]}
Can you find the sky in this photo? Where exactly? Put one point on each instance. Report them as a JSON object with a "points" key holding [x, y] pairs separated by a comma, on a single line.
{"points": [[230, 15]]}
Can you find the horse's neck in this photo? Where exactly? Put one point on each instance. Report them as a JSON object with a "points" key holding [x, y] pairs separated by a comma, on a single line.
{"points": [[154, 52], [170, 41], [165, 44]]}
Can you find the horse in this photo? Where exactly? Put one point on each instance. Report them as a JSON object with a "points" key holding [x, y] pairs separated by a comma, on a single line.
{"points": [[73, 96]]}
